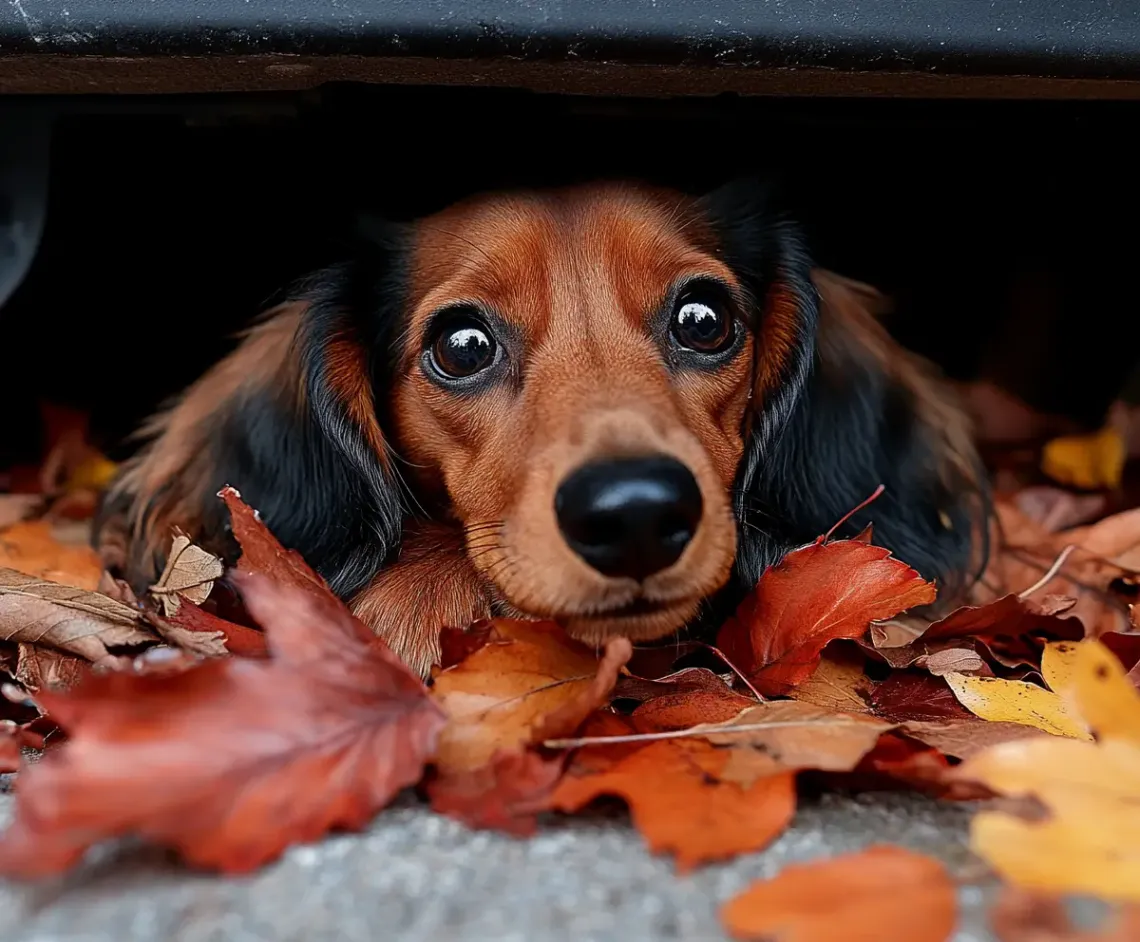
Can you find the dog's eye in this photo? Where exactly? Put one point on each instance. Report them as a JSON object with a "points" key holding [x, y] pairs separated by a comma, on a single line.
{"points": [[463, 347], [702, 323]]}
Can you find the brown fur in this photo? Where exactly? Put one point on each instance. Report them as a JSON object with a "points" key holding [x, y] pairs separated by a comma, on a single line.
{"points": [[578, 276]]}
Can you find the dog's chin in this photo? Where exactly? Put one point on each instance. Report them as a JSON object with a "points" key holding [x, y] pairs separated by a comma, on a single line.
{"points": [[639, 620]]}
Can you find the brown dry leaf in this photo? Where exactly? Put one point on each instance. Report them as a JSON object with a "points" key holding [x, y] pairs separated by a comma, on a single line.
{"points": [[528, 683], [32, 547], [839, 684], [679, 804], [962, 738], [39, 668], [190, 573], [953, 661], [202, 643], [35, 611], [816, 594], [234, 759], [1018, 916], [1090, 841], [783, 735], [1105, 551], [881, 894], [1015, 701]]}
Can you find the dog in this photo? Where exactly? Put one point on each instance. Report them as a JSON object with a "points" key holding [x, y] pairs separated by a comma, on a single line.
{"points": [[609, 404]]}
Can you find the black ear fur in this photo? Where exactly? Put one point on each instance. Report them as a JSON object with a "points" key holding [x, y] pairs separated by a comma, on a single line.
{"points": [[841, 426], [284, 436], [312, 472]]}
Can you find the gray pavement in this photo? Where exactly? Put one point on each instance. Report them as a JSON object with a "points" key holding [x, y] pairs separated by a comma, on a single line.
{"points": [[418, 877]]}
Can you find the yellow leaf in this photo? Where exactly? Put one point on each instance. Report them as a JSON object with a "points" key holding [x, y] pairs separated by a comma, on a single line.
{"points": [[1058, 661], [1014, 701], [1103, 695], [1087, 461], [93, 473], [1090, 843]]}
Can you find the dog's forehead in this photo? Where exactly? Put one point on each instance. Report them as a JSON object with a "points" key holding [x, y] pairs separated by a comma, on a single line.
{"points": [[581, 253]]}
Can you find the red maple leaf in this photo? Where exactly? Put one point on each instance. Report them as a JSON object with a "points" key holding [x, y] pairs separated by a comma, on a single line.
{"points": [[233, 760], [818, 593]]}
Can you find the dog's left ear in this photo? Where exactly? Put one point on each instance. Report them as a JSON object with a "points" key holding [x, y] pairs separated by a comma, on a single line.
{"points": [[840, 408]]}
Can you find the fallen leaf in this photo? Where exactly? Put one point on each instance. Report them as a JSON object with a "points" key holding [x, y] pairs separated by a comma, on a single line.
{"points": [[899, 761], [839, 683], [690, 679], [953, 661], [964, 737], [31, 548], [504, 795], [35, 611], [530, 682], [780, 735], [230, 761], [1088, 843], [117, 589], [881, 894], [686, 709], [1015, 701], [190, 573], [1103, 695], [238, 639], [1089, 462], [1012, 630], [202, 643], [1102, 553], [1055, 509], [262, 553], [817, 594], [1019, 916], [1058, 662], [679, 805], [39, 668], [910, 695]]}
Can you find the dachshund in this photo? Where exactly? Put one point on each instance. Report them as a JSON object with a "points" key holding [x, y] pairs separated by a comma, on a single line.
{"points": [[603, 404]]}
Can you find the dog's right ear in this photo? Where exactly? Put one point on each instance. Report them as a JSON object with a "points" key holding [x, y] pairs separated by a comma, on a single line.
{"points": [[290, 419]]}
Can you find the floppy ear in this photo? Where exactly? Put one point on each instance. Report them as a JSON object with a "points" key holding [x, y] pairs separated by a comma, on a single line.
{"points": [[840, 408], [289, 419]]}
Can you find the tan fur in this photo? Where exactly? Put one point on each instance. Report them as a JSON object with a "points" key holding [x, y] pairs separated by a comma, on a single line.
{"points": [[431, 585]]}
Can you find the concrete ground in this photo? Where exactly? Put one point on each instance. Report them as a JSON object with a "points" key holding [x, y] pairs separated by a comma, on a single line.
{"points": [[418, 877]]}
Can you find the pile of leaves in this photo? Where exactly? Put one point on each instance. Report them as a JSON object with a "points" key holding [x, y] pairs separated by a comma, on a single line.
{"points": [[230, 714]]}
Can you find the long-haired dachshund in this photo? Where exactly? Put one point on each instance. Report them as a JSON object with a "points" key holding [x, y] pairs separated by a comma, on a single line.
{"points": [[601, 404]]}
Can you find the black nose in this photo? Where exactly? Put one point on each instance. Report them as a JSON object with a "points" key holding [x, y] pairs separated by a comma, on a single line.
{"points": [[629, 517]]}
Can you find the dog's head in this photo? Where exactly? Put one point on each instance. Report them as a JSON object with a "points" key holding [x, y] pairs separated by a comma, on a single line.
{"points": [[615, 393]]}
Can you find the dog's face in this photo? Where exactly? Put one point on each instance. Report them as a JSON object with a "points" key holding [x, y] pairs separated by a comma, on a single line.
{"points": [[617, 396], [572, 384]]}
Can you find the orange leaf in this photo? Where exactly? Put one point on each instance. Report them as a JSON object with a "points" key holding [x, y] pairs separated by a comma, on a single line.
{"points": [[528, 683], [881, 894], [239, 639], [818, 593], [233, 760], [32, 548], [678, 804]]}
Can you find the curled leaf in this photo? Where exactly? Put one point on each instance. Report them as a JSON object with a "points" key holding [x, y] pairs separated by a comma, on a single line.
{"points": [[190, 573], [86, 624]]}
